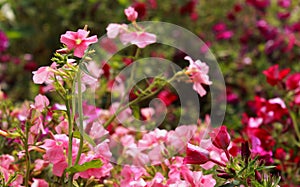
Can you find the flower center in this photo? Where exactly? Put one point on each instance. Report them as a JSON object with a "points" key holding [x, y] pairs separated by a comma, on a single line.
{"points": [[78, 41]]}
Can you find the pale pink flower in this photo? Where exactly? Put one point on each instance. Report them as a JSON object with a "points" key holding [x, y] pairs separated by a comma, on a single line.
{"points": [[178, 138], [37, 127], [114, 29], [98, 131], [44, 74], [39, 183], [131, 14], [139, 158], [79, 41], [198, 72], [40, 102], [140, 39]]}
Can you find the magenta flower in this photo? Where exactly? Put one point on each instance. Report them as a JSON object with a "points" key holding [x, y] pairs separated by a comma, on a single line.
{"points": [[196, 155], [78, 41], [274, 75], [198, 72], [3, 41], [131, 13]]}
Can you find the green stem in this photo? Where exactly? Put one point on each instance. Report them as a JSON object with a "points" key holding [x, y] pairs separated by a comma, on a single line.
{"points": [[80, 116], [295, 124], [70, 132], [26, 147]]}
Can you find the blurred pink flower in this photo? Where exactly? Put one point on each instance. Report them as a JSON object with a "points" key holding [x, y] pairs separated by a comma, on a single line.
{"points": [[114, 29], [3, 41], [131, 14], [274, 75], [224, 35], [40, 102], [140, 39], [284, 3], [198, 72], [79, 41], [44, 74]]}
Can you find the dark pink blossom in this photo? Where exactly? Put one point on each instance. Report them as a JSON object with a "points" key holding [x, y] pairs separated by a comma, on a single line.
{"points": [[196, 155], [131, 14], [284, 3], [220, 137], [274, 75], [293, 81], [224, 35], [78, 41], [3, 41]]}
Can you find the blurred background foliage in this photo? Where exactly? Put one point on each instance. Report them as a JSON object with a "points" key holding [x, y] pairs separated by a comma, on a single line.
{"points": [[34, 26]]}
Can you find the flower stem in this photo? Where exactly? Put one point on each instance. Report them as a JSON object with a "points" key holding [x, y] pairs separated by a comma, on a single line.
{"points": [[80, 115], [70, 132], [217, 162], [26, 147]]}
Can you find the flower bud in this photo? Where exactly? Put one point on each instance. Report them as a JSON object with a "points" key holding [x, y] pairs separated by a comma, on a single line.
{"points": [[220, 137], [258, 176], [245, 152], [224, 175], [196, 155]]}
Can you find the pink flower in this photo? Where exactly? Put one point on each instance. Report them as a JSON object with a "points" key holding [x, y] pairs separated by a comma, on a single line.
{"points": [[114, 29], [132, 175], [284, 3], [293, 81], [39, 183], [140, 39], [3, 41], [196, 155], [44, 74], [79, 41], [40, 102], [198, 72], [224, 35], [274, 75], [197, 179], [167, 97], [131, 13]]}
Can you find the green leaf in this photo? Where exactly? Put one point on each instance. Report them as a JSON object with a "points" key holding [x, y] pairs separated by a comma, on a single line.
{"points": [[83, 167], [85, 70]]}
